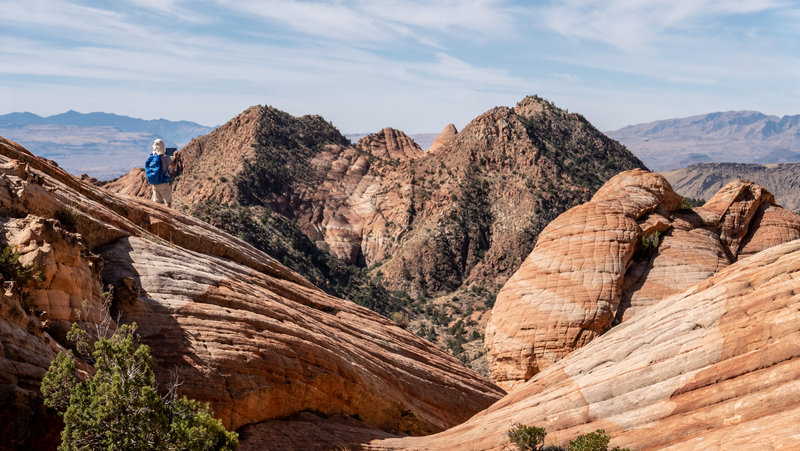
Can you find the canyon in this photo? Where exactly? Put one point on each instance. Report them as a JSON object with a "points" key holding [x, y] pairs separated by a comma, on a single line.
{"points": [[619, 306]]}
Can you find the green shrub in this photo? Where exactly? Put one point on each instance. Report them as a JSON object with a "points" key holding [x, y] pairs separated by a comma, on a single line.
{"points": [[68, 217], [24, 276], [531, 438], [400, 318], [526, 438], [687, 203], [649, 245], [593, 441], [120, 407]]}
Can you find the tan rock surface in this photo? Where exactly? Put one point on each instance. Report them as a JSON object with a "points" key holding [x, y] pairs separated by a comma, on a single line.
{"points": [[713, 367], [246, 334], [444, 138], [568, 290], [602, 262], [132, 184]]}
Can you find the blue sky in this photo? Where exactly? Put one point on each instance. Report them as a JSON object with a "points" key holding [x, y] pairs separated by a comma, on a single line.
{"points": [[412, 65]]}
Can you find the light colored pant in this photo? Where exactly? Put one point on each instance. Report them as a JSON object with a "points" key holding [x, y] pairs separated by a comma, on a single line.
{"points": [[162, 193]]}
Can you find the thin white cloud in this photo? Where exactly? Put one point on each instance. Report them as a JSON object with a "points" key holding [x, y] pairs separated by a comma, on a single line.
{"points": [[383, 20], [486, 17], [632, 25], [180, 10]]}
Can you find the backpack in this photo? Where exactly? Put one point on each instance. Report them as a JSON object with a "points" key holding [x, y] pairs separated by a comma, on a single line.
{"points": [[152, 170]]}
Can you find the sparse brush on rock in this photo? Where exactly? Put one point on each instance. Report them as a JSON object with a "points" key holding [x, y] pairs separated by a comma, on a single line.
{"points": [[531, 438], [526, 438], [11, 269], [280, 237]]}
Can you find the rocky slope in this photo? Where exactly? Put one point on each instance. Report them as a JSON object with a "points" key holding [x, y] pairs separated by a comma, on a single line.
{"points": [[715, 366], [602, 262], [701, 181], [448, 226], [246, 334], [731, 136]]}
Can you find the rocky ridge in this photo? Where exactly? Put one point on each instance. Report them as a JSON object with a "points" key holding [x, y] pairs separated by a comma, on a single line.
{"points": [[246, 334], [602, 262]]}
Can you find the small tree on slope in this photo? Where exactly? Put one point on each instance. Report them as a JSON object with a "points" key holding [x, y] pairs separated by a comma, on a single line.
{"points": [[119, 407]]}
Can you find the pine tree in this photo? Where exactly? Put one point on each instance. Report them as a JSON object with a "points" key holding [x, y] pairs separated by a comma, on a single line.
{"points": [[120, 407]]}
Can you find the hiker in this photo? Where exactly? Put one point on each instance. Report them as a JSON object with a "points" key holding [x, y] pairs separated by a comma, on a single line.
{"points": [[157, 169]]}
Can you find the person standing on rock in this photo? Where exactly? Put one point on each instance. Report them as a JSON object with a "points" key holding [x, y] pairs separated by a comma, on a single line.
{"points": [[158, 169]]}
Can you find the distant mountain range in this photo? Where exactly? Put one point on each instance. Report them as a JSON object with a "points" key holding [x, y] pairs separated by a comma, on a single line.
{"points": [[732, 136], [102, 145], [701, 181]]}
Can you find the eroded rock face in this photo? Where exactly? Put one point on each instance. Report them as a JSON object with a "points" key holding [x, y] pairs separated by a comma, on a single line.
{"points": [[600, 263], [712, 367], [254, 339], [444, 138], [390, 144], [260, 348], [132, 184]]}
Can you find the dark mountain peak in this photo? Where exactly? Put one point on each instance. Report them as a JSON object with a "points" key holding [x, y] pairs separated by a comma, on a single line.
{"points": [[277, 128]]}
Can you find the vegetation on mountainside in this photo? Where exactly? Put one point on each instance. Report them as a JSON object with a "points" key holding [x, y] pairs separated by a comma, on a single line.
{"points": [[284, 146], [531, 438], [279, 237], [11, 269], [687, 203], [119, 407]]}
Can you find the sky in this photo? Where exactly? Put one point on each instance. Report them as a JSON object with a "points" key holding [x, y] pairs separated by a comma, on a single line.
{"points": [[412, 65]]}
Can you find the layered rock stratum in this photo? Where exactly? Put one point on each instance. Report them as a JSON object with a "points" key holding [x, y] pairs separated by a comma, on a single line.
{"points": [[243, 332], [715, 366], [701, 181], [601, 263]]}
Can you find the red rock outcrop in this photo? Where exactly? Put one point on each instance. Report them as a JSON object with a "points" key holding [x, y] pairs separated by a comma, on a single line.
{"points": [[444, 138], [600, 263], [715, 366], [244, 333], [390, 144], [132, 184]]}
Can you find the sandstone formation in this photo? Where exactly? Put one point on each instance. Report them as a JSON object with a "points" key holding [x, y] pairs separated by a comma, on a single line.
{"points": [[715, 366], [390, 144], [602, 262], [701, 181], [451, 224], [444, 138], [254, 339], [132, 184]]}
